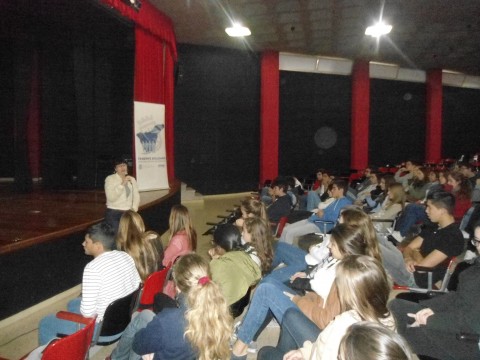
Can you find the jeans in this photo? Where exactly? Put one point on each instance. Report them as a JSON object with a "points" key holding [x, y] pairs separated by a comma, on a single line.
{"points": [[124, 351], [292, 256], [292, 231], [268, 296], [394, 264], [313, 199], [412, 214], [296, 328], [50, 325]]}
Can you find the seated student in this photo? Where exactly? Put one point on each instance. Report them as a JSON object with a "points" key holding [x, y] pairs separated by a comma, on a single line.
{"points": [[431, 326], [415, 212], [251, 208], [417, 189], [319, 306], [374, 202], [146, 251], [282, 204], [405, 173], [315, 187], [294, 259], [200, 326], [298, 215], [330, 213], [373, 186], [183, 240], [267, 195], [315, 197], [232, 268], [462, 191], [183, 237], [363, 290], [470, 172], [111, 275], [258, 242], [367, 340], [433, 181], [361, 183], [394, 203], [429, 248]]}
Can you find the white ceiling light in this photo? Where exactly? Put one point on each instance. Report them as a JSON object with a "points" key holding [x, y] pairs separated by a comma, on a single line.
{"points": [[378, 29], [238, 30]]}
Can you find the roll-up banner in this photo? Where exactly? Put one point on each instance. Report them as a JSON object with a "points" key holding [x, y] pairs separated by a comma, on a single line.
{"points": [[150, 154]]}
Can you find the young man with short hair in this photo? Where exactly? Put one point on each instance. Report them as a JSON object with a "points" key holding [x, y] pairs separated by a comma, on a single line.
{"points": [[111, 275], [430, 247], [282, 205], [329, 214]]}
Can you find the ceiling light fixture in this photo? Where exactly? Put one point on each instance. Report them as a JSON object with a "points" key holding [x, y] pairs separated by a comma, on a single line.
{"points": [[378, 29], [237, 30]]}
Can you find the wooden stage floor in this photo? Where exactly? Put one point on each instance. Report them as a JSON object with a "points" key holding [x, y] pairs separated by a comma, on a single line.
{"points": [[40, 216]]}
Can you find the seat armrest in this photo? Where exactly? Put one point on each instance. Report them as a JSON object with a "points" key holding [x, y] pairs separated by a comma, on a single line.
{"points": [[424, 268], [383, 220], [65, 315]]}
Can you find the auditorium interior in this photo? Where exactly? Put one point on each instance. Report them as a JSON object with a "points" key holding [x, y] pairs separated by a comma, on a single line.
{"points": [[308, 89]]}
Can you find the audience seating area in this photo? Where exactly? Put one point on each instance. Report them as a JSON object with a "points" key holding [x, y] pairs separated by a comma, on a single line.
{"points": [[119, 312]]}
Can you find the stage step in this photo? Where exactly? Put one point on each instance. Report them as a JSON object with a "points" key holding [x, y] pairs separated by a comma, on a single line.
{"points": [[189, 194]]}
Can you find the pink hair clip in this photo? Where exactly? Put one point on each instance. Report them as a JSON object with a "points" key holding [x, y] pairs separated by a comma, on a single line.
{"points": [[203, 280]]}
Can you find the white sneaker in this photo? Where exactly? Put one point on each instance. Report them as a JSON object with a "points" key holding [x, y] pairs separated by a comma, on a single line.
{"points": [[252, 347], [234, 337]]}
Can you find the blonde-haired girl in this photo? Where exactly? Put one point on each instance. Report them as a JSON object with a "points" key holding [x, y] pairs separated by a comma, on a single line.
{"points": [[252, 208], [257, 234], [183, 237], [363, 290], [199, 328], [144, 247]]}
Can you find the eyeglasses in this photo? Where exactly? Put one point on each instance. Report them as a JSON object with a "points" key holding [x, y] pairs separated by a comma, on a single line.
{"points": [[475, 241]]}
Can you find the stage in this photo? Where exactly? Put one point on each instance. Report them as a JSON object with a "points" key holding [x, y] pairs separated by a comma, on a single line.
{"points": [[41, 235]]}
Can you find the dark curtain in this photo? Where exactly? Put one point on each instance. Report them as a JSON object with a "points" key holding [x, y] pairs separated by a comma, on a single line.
{"points": [[217, 119], [87, 112], [399, 135], [59, 123], [84, 65], [315, 130], [7, 167], [22, 65], [85, 99], [461, 125]]}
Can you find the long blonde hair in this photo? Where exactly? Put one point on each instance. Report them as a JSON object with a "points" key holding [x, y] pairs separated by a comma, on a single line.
{"points": [[254, 207], [262, 240], [209, 323], [144, 247], [363, 286], [355, 216], [130, 229], [180, 220], [398, 195], [152, 254]]}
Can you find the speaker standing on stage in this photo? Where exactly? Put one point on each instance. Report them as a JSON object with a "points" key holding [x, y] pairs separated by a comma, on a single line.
{"points": [[122, 193]]}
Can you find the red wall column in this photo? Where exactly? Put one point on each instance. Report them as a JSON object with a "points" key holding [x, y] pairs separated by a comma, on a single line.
{"points": [[269, 115], [433, 126], [360, 115]]}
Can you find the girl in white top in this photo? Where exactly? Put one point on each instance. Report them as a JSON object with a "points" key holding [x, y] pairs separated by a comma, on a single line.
{"points": [[363, 290], [393, 204]]}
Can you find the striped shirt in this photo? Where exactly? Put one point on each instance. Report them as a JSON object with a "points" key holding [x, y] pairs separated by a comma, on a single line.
{"points": [[106, 278]]}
